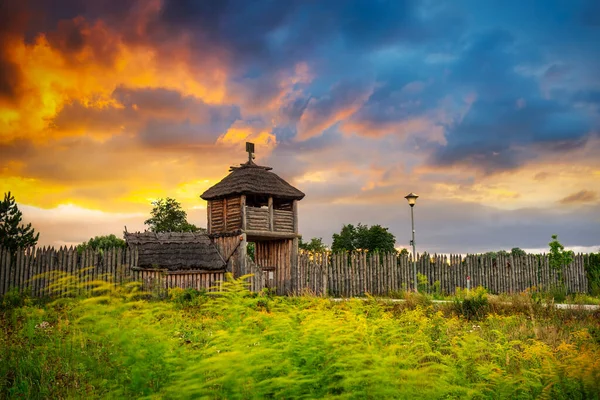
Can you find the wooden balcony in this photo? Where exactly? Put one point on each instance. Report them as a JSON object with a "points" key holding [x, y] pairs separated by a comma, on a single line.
{"points": [[269, 222]]}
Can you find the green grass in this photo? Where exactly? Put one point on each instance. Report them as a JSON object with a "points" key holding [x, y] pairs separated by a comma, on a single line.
{"points": [[117, 343]]}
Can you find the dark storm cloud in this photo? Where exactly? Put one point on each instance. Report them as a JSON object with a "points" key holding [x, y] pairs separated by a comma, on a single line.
{"points": [[494, 137], [13, 19], [265, 31], [159, 117]]}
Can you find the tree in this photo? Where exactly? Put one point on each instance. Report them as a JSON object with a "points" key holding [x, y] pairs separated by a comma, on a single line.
{"points": [[168, 216], [375, 238], [102, 243], [315, 245], [14, 235], [517, 252], [559, 258]]}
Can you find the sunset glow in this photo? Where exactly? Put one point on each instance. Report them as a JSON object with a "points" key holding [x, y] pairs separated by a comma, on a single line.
{"points": [[491, 115]]}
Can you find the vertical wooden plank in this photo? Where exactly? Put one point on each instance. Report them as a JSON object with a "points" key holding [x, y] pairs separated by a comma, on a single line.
{"points": [[35, 284], [243, 211], [209, 217], [64, 262], [3, 269], [27, 270], [336, 275], [295, 215], [75, 269], [118, 277], [45, 271], [270, 203], [19, 270], [16, 272], [66, 269]]}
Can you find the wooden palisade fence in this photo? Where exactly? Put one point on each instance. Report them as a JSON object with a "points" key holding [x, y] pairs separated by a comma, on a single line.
{"points": [[358, 273], [344, 274], [115, 265]]}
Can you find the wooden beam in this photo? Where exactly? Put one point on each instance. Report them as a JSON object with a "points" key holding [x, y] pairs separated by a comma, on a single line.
{"points": [[243, 211], [271, 227], [225, 215], [295, 213], [242, 255], [208, 217], [258, 235]]}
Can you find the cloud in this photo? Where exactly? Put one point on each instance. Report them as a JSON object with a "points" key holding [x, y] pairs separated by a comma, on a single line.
{"points": [[157, 116], [343, 100], [108, 104], [583, 196]]}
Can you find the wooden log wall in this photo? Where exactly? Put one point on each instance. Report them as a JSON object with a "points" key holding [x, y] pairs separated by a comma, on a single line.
{"points": [[47, 271], [284, 221], [358, 273], [257, 219], [234, 214], [217, 222], [225, 215], [275, 259]]}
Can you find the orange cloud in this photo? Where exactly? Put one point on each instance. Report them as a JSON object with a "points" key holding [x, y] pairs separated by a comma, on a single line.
{"points": [[57, 69]]}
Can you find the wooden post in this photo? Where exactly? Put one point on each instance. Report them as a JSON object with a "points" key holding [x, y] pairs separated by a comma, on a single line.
{"points": [[271, 227], [208, 217], [224, 215], [243, 211], [294, 266], [295, 214], [242, 253]]}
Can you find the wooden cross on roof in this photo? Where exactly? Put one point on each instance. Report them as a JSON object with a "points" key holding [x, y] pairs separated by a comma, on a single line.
{"points": [[250, 151]]}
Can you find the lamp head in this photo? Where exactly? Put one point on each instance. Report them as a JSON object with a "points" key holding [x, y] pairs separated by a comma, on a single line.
{"points": [[412, 199]]}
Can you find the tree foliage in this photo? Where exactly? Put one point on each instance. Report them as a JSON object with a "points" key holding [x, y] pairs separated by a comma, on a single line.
{"points": [[315, 245], [13, 234], [363, 237], [559, 258], [102, 243], [518, 252], [592, 272], [168, 216]]}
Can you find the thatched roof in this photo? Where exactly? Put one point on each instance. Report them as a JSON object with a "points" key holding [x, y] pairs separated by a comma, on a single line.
{"points": [[250, 178], [175, 250]]}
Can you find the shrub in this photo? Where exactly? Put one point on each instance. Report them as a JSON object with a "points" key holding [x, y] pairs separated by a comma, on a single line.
{"points": [[592, 272], [13, 299], [473, 304]]}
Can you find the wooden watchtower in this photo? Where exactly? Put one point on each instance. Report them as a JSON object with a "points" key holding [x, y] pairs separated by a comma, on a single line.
{"points": [[253, 204]]}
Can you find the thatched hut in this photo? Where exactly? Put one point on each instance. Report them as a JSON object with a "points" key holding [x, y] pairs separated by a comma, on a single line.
{"points": [[254, 200], [176, 251]]}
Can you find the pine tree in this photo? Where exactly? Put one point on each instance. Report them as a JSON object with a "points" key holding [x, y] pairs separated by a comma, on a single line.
{"points": [[14, 235]]}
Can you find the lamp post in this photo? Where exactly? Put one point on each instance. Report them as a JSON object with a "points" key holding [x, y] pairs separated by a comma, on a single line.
{"points": [[412, 199]]}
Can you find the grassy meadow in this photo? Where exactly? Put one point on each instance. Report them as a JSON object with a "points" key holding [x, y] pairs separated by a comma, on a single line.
{"points": [[116, 342]]}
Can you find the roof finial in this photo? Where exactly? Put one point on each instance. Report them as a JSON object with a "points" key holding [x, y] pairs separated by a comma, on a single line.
{"points": [[250, 150]]}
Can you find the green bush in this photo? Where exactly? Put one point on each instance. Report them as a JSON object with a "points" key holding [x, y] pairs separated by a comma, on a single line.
{"points": [[592, 272], [473, 304], [13, 299]]}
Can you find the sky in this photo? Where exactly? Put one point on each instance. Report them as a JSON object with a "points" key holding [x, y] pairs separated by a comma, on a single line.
{"points": [[489, 111]]}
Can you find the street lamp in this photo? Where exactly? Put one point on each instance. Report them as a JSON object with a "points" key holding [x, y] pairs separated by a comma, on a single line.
{"points": [[412, 200]]}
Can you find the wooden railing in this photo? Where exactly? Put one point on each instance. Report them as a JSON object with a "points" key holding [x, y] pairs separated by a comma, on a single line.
{"points": [[257, 219]]}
